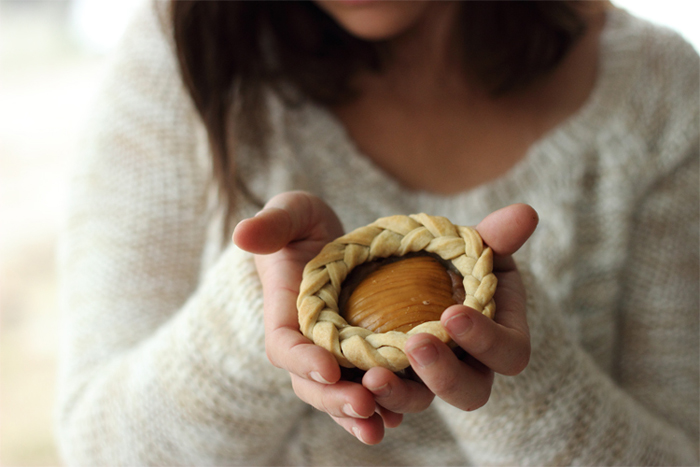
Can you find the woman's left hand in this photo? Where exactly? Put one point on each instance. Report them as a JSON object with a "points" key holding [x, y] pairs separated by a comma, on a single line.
{"points": [[501, 345]]}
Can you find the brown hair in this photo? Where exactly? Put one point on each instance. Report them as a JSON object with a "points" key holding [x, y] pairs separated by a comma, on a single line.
{"points": [[230, 51]]}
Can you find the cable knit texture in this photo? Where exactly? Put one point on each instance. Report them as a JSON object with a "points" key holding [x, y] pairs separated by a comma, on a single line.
{"points": [[163, 359]]}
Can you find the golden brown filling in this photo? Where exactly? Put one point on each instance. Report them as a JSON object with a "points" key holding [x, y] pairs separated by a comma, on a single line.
{"points": [[399, 295]]}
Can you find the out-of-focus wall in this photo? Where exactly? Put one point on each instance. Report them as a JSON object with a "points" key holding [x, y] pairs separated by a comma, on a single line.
{"points": [[680, 15], [52, 54]]}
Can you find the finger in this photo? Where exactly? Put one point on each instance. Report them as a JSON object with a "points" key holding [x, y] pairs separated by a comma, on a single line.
{"points": [[503, 349], [511, 301], [341, 400], [397, 394], [287, 217], [289, 350], [464, 386], [269, 231], [286, 220], [286, 347], [506, 230], [369, 431], [391, 419]]}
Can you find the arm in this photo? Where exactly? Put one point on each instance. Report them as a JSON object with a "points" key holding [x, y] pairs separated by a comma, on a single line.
{"points": [[160, 365], [563, 409]]}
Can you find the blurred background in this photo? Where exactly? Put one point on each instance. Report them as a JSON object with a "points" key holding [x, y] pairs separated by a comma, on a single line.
{"points": [[52, 56], [52, 53]]}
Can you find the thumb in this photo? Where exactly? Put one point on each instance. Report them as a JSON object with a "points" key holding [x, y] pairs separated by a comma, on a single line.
{"points": [[286, 218], [506, 230]]}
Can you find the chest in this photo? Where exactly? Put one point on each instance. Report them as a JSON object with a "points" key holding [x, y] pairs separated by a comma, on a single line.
{"points": [[444, 149]]}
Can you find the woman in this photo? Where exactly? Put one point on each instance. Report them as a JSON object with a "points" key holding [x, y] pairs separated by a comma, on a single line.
{"points": [[465, 110]]}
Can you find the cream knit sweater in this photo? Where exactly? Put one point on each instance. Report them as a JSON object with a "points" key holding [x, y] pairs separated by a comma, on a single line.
{"points": [[164, 361]]}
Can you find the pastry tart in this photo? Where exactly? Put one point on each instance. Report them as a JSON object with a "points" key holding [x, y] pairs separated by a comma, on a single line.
{"points": [[414, 267]]}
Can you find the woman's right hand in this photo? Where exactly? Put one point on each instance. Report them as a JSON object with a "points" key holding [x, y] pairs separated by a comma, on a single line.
{"points": [[288, 232]]}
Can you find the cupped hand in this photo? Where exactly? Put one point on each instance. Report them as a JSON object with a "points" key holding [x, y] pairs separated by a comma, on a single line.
{"points": [[501, 345], [291, 230]]}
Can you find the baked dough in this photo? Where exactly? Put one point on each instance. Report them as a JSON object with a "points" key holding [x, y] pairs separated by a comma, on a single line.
{"points": [[352, 346]]}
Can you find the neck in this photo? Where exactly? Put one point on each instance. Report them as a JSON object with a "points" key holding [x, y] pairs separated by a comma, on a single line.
{"points": [[425, 60]]}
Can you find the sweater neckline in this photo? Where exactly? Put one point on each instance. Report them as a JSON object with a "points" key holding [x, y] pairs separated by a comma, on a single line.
{"points": [[548, 155]]}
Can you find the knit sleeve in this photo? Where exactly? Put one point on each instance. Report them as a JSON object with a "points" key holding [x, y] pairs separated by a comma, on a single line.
{"points": [[660, 329], [162, 363], [563, 409]]}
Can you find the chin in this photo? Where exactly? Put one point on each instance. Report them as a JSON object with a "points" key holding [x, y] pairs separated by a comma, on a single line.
{"points": [[375, 20]]}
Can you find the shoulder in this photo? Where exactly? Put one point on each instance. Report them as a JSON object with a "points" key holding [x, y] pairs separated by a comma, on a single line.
{"points": [[653, 100], [660, 56], [144, 63], [142, 90], [149, 34], [666, 84], [142, 120]]}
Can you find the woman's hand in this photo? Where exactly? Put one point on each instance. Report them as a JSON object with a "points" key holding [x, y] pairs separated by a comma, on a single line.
{"points": [[501, 345], [290, 231]]}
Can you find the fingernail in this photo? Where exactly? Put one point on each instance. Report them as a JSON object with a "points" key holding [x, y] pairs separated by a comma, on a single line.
{"points": [[267, 210], [261, 212], [350, 411], [424, 353], [459, 324], [316, 376], [358, 434], [382, 391]]}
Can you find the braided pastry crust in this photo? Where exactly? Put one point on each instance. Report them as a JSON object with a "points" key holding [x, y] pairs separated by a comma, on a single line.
{"points": [[352, 346]]}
